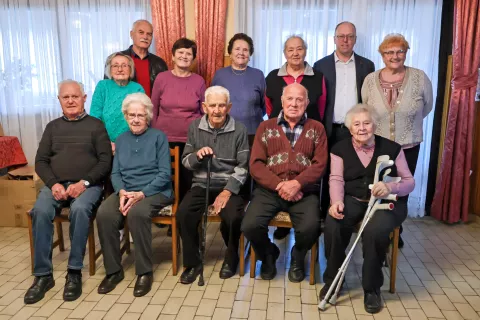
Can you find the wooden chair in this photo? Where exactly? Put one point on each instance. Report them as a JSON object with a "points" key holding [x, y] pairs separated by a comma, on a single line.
{"points": [[282, 219]]}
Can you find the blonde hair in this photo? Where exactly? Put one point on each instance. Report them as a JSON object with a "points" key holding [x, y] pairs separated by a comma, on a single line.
{"points": [[108, 64], [361, 108], [393, 39], [141, 98]]}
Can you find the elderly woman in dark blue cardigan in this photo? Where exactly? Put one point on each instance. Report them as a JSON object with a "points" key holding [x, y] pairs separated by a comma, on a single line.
{"points": [[141, 177]]}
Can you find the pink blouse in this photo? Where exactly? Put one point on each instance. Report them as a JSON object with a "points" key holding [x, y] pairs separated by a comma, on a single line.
{"points": [[365, 154]]}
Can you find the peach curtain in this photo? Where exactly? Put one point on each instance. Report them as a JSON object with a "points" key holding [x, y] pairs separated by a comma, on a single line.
{"points": [[168, 17], [210, 16], [450, 202]]}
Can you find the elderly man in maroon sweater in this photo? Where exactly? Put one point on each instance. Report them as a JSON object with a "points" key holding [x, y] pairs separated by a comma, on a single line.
{"points": [[288, 160]]}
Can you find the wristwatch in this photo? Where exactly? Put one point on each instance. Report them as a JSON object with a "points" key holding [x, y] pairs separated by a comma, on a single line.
{"points": [[86, 183]]}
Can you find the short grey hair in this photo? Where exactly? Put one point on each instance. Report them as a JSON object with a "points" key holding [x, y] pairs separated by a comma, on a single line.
{"points": [[68, 81], [294, 36], [361, 108], [138, 97], [295, 83], [108, 64], [217, 90], [134, 25]]}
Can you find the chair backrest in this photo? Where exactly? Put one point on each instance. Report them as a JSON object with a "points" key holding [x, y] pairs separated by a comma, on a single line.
{"points": [[175, 155]]}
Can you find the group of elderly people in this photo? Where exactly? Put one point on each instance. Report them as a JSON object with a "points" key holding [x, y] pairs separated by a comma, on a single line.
{"points": [[287, 157]]}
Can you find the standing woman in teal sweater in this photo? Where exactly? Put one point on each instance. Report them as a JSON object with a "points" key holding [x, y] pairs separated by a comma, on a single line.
{"points": [[109, 94]]}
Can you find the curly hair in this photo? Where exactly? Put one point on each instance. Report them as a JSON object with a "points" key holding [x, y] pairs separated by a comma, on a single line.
{"points": [[240, 36]]}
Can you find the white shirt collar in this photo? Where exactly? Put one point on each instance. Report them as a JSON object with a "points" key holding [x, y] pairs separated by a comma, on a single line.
{"points": [[352, 58]]}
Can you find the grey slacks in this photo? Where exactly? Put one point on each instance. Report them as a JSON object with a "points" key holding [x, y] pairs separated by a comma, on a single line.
{"points": [[139, 219]]}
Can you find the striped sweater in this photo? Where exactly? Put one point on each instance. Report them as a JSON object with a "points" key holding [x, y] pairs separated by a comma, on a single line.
{"points": [[274, 160]]}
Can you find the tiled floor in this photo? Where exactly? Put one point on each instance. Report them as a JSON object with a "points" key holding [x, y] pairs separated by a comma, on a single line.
{"points": [[438, 277]]}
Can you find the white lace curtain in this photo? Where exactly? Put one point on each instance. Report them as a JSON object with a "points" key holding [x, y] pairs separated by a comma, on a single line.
{"points": [[270, 22], [46, 41]]}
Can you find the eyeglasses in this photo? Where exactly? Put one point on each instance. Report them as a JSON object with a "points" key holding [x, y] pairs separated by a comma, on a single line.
{"points": [[118, 66], [140, 116], [349, 37], [392, 53]]}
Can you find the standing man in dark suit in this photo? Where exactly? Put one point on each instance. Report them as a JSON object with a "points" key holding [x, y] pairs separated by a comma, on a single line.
{"points": [[147, 65], [344, 72]]}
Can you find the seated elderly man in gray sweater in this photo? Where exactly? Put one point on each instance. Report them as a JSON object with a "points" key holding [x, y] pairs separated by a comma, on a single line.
{"points": [[141, 177], [219, 135]]}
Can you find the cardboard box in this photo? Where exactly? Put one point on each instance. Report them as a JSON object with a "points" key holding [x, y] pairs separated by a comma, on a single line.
{"points": [[17, 196]]}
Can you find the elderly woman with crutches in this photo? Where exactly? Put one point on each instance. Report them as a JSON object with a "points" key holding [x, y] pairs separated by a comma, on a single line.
{"points": [[354, 166]]}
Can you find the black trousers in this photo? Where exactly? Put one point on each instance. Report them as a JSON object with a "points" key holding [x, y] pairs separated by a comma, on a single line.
{"points": [[189, 215], [375, 239], [139, 218], [265, 205]]}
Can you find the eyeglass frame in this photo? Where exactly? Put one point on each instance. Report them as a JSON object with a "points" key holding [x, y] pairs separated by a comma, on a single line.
{"points": [[349, 37], [391, 53]]}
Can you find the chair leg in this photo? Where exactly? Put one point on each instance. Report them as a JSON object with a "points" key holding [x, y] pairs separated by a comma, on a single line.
{"points": [[61, 242], [30, 234], [253, 262], [393, 263], [91, 249], [174, 246], [126, 235], [313, 259], [242, 255]]}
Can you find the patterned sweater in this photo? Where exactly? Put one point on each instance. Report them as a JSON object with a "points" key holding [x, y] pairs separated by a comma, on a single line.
{"points": [[273, 159], [107, 105]]}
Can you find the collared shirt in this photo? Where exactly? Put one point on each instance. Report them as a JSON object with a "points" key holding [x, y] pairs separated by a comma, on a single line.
{"points": [[289, 79], [346, 88], [80, 116], [292, 134]]}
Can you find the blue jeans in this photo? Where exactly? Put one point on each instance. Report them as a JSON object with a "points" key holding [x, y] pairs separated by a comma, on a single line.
{"points": [[43, 213]]}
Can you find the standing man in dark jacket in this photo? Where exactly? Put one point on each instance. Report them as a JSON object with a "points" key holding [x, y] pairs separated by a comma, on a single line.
{"points": [[147, 65], [73, 159], [344, 72]]}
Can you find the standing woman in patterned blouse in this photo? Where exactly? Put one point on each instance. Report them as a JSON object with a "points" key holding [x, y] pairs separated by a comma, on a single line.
{"points": [[402, 97], [177, 97]]}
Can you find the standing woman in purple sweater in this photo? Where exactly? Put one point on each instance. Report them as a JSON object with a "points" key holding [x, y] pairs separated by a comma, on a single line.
{"points": [[177, 97], [245, 84]]}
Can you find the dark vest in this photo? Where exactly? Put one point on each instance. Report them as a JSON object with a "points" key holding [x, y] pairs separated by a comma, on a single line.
{"points": [[313, 84], [356, 176]]}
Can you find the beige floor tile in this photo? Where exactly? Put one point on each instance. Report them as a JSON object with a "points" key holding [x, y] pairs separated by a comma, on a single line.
{"points": [[241, 309], [443, 303], [257, 315], [193, 298], [261, 286], [430, 309], [409, 301], [365, 317], [464, 288], [161, 297], [293, 316], [116, 312], [106, 302], [226, 300], [345, 313], [93, 315], [172, 306], [309, 296], [292, 289], [205, 318], [181, 290], [167, 317], [310, 311], [432, 287], [275, 311], [259, 301], [452, 315], [151, 312], [169, 282], [139, 305], [466, 311], [293, 304], [454, 295], [276, 295], [395, 308], [221, 314], [244, 293], [212, 291], [206, 307], [474, 301], [230, 285], [82, 310], [26, 313], [326, 316], [14, 307], [421, 293], [186, 313], [131, 316], [61, 314]]}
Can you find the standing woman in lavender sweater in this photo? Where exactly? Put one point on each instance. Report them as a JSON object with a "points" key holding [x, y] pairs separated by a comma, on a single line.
{"points": [[177, 97], [245, 84]]}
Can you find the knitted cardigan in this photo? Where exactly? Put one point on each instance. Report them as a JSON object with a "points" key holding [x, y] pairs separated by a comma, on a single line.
{"points": [[274, 160], [404, 123]]}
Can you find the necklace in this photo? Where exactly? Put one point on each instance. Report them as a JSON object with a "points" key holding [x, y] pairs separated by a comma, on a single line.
{"points": [[241, 73]]}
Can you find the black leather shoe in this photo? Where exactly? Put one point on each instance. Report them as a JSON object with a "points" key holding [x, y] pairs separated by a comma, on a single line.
{"points": [[281, 233], [228, 270], [38, 289], [372, 301], [323, 291], [143, 285], [268, 270], [190, 274], [400, 242], [297, 269], [110, 282], [73, 287]]}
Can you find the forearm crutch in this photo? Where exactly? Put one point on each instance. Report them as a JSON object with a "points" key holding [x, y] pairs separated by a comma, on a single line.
{"points": [[203, 239], [383, 162]]}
